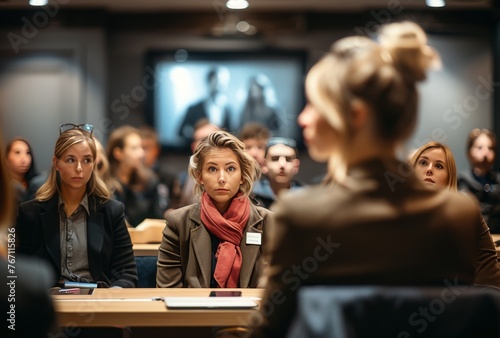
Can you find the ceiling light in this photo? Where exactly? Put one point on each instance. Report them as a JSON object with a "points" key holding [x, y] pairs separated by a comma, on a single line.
{"points": [[38, 2], [435, 3], [237, 4], [243, 26]]}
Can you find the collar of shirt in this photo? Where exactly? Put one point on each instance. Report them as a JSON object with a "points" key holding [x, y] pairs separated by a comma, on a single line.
{"points": [[84, 203]]}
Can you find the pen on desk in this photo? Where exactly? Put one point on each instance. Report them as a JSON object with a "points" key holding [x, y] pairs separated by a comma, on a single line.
{"points": [[156, 298]]}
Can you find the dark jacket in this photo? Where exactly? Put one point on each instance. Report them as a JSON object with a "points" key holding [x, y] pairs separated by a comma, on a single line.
{"points": [[263, 192], [382, 226], [26, 304], [487, 193], [197, 112], [110, 254], [150, 202]]}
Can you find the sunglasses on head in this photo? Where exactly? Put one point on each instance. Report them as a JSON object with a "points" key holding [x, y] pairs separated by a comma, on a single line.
{"points": [[69, 126]]}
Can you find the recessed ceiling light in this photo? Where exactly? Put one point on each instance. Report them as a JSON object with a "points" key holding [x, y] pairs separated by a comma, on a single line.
{"points": [[243, 26], [435, 3], [38, 2], [237, 4]]}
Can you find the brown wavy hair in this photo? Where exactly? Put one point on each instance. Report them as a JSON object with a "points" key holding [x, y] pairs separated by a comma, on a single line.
{"points": [[250, 169]]}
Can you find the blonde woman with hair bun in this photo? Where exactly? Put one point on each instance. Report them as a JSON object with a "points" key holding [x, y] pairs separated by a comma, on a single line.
{"points": [[372, 222]]}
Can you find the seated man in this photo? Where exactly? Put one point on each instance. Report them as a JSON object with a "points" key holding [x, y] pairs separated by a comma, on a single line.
{"points": [[152, 159], [280, 166], [153, 154], [255, 136]]}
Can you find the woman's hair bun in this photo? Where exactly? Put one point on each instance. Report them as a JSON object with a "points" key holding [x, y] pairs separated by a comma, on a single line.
{"points": [[350, 46], [407, 45]]}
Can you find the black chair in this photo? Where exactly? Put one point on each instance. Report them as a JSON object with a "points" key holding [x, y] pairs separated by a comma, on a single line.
{"points": [[146, 271], [398, 312]]}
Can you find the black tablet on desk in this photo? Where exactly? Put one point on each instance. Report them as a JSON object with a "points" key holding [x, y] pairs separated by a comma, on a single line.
{"points": [[71, 291]]}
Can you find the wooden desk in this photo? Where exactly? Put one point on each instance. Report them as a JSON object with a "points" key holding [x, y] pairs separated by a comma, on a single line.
{"points": [[134, 308], [146, 249], [152, 249]]}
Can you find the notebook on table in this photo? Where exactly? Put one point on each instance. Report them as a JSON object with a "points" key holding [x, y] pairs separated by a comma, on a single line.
{"points": [[210, 302]]}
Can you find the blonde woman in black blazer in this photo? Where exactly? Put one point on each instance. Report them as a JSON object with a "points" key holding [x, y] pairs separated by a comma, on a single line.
{"points": [[98, 248], [373, 222]]}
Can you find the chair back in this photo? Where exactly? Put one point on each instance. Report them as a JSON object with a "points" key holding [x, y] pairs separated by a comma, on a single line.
{"points": [[380, 311]]}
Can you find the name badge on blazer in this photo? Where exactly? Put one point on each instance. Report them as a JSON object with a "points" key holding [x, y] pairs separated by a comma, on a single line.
{"points": [[254, 238]]}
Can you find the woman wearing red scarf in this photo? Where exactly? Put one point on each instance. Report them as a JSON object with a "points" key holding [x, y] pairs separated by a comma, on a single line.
{"points": [[216, 242]]}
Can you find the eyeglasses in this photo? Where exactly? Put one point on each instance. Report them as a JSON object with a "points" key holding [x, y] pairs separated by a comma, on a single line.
{"points": [[69, 126]]}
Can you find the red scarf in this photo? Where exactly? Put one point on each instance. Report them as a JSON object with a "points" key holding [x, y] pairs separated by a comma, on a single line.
{"points": [[229, 229]]}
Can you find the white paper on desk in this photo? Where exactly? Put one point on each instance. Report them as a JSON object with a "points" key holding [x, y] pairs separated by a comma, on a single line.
{"points": [[108, 299], [210, 302]]}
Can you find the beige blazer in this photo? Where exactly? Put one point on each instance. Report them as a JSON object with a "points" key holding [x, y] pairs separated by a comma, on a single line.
{"points": [[382, 227], [185, 253]]}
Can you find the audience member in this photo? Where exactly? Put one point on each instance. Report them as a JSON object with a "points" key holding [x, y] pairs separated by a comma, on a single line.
{"points": [[152, 153], [482, 180], [262, 105], [435, 165], [216, 242], [102, 168], [140, 191], [214, 107], [183, 190], [72, 223], [280, 169], [151, 146], [21, 166], [255, 136], [374, 222], [29, 312]]}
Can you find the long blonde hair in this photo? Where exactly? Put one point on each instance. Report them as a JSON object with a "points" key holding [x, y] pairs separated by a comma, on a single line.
{"points": [[102, 168], [66, 140], [382, 75]]}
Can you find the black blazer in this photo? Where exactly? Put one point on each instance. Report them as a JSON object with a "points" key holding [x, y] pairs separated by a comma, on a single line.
{"points": [[110, 254], [488, 196], [195, 113]]}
